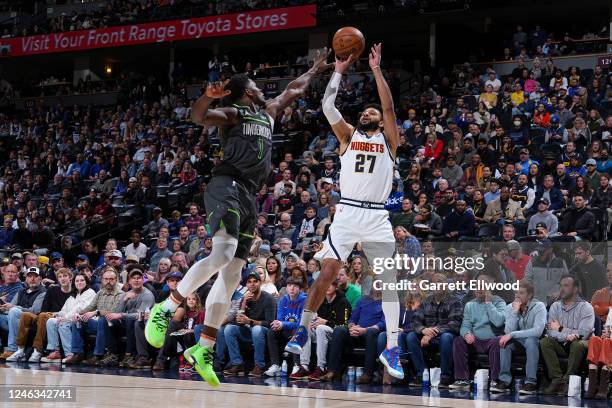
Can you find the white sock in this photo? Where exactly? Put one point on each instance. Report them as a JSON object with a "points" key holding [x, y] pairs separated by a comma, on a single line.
{"points": [[206, 341], [392, 338], [219, 298], [224, 248]]}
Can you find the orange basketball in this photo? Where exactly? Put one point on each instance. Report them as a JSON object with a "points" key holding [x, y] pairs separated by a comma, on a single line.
{"points": [[348, 41]]}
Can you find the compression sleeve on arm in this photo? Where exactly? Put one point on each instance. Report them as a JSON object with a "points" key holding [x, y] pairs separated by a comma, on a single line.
{"points": [[329, 100]]}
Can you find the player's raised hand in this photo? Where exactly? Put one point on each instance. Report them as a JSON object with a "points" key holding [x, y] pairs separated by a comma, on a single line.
{"points": [[375, 54], [342, 65], [320, 61], [216, 90]]}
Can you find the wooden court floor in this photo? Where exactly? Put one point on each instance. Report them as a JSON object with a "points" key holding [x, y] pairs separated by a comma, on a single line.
{"points": [[101, 390]]}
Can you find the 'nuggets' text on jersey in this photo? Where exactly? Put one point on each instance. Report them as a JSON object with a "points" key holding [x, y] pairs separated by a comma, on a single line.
{"points": [[368, 147], [366, 168]]}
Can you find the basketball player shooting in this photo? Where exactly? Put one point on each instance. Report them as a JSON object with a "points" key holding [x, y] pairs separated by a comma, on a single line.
{"points": [[245, 127], [367, 156]]}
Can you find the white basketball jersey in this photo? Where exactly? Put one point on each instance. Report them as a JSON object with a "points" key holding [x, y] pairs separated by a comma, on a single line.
{"points": [[366, 172]]}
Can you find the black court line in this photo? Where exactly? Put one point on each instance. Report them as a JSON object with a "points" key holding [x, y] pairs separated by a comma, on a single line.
{"points": [[247, 393]]}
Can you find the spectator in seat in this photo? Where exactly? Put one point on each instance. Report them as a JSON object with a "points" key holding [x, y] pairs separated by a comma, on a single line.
{"points": [[285, 229], [333, 312], [544, 272], [495, 267], [6, 232], [58, 326], [525, 323], [10, 283], [279, 188], [435, 325], [543, 216], [251, 324], [28, 299], [405, 217], [428, 217], [201, 246], [570, 324], [288, 315], [186, 317], [157, 223], [602, 197], [367, 320], [516, 261], [55, 298], [600, 354], [194, 220], [284, 244], [482, 325], [504, 210], [459, 223], [136, 248], [553, 194], [161, 252], [453, 173], [587, 271], [602, 298], [131, 305], [91, 319], [351, 291]]}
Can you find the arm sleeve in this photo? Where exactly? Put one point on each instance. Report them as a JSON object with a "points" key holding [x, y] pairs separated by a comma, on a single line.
{"points": [[329, 100]]}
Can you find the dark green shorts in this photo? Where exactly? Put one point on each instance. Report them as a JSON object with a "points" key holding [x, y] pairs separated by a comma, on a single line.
{"points": [[229, 204]]}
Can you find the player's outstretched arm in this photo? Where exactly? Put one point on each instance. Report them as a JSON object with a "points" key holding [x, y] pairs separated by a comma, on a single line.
{"points": [[342, 130], [386, 100], [201, 113], [297, 87]]}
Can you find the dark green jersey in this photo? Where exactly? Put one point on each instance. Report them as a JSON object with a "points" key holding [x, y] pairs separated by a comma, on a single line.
{"points": [[247, 148]]}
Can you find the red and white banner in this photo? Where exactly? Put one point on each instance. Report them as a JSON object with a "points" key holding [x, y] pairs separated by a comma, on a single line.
{"points": [[164, 31]]}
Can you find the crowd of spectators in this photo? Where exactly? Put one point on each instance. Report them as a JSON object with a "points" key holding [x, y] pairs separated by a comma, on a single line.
{"points": [[513, 164], [542, 44]]}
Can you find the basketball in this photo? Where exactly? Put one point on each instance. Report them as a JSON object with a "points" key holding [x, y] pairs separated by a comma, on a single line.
{"points": [[348, 41]]}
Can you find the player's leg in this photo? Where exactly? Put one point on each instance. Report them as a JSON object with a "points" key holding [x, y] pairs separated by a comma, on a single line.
{"points": [[221, 198], [218, 302], [390, 304], [219, 299], [332, 255]]}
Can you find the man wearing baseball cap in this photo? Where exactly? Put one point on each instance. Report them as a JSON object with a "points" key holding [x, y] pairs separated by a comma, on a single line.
{"points": [[136, 301], [29, 299], [592, 176], [543, 215]]}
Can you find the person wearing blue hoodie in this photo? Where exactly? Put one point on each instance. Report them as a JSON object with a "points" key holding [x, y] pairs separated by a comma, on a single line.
{"points": [[288, 315], [367, 320]]}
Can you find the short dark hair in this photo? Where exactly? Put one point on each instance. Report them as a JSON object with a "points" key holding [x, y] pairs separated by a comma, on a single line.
{"points": [[293, 281], [236, 85], [572, 277], [374, 106]]}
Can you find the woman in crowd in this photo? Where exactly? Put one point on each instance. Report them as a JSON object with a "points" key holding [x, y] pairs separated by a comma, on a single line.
{"points": [[266, 283], [273, 270], [264, 200], [322, 206], [582, 187], [58, 327]]}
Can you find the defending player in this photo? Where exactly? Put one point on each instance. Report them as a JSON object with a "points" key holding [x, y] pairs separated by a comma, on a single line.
{"points": [[367, 156], [246, 138]]}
